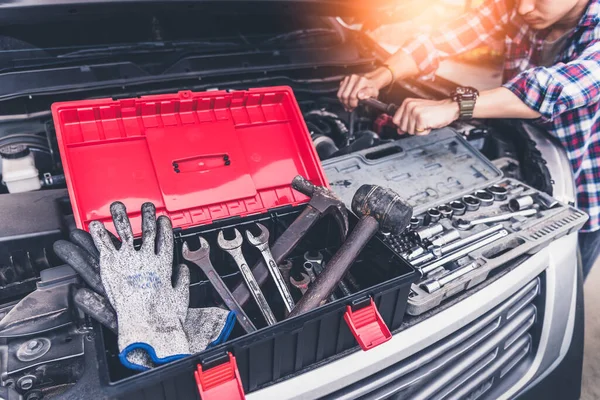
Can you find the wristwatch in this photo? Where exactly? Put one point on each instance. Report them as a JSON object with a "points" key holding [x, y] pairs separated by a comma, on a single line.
{"points": [[466, 98]]}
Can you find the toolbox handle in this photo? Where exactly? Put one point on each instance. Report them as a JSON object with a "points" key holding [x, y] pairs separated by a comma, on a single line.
{"points": [[366, 324], [217, 380]]}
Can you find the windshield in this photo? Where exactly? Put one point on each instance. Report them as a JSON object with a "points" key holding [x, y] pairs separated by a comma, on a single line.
{"points": [[155, 42]]}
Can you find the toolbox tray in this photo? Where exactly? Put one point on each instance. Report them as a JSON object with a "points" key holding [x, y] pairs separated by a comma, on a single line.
{"points": [[429, 171], [276, 352], [211, 161]]}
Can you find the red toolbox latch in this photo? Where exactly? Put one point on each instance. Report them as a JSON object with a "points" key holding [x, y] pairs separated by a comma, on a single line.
{"points": [[366, 324], [218, 380]]}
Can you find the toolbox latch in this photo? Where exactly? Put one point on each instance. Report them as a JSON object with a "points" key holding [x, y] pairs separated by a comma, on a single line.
{"points": [[366, 324], [221, 381]]}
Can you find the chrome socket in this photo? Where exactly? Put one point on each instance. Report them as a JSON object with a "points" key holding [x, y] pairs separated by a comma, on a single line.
{"points": [[446, 237], [433, 216], [458, 207], [415, 223], [471, 202], [499, 192], [429, 231], [446, 211], [485, 197], [520, 203]]}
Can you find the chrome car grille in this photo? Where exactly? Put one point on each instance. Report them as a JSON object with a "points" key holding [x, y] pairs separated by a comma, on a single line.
{"points": [[472, 363]]}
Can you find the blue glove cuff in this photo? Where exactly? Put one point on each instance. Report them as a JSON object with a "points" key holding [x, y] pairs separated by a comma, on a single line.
{"points": [[151, 352], [224, 335]]}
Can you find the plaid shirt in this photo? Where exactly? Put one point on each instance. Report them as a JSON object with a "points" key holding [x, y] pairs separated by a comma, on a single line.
{"points": [[567, 95]]}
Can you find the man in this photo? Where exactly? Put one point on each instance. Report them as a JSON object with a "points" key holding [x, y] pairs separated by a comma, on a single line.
{"points": [[551, 76]]}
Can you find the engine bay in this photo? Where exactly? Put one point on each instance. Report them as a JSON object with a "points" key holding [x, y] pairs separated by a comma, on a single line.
{"points": [[44, 348]]}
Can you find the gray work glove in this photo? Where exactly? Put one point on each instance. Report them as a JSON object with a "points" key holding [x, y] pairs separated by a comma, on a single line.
{"points": [[203, 327]]}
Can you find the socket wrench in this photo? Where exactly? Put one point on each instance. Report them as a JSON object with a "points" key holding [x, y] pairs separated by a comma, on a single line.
{"points": [[301, 285], [261, 242], [234, 249], [457, 245], [446, 211], [433, 215], [316, 259], [433, 285], [466, 225], [428, 232], [463, 252]]}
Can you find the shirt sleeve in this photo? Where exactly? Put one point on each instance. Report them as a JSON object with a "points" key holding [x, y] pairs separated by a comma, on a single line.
{"points": [[461, 35], [563, 87]]}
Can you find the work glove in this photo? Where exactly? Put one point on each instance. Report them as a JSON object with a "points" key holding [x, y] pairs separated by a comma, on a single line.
{"points": [[149, 295]]}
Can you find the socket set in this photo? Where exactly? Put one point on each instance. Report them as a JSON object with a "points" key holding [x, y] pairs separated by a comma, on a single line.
{"points": [[454, 246], [468, 218]]}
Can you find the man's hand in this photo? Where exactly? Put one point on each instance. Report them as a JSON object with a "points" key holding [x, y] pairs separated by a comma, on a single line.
{"points": [[356, 87], [419, 116]]}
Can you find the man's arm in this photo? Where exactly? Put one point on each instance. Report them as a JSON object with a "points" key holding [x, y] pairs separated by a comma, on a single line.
{"points": [[422, 54], [542, 92]]}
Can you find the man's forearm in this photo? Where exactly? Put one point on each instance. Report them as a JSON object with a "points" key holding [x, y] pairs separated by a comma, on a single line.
{"points": [[401, 66], [502, 103]]}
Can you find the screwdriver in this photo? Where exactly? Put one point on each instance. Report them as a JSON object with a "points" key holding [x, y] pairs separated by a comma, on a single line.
{"points": [[389, 109]]}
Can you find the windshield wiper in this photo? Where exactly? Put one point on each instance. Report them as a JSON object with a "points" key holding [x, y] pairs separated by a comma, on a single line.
{"points": [[149, 47]]}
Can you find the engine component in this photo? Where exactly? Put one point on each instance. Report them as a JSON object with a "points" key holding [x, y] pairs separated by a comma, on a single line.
{"points": [[18, 169], [325, 146]]}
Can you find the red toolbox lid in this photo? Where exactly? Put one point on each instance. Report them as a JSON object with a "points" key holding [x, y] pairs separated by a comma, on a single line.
{"points": [[198, 157]]}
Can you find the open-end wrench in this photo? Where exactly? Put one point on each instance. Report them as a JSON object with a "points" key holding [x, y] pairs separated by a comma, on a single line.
{"points": [[465, 225], [286, 270], [234, 248], [261, 242], [302, 284], [201, 258]]}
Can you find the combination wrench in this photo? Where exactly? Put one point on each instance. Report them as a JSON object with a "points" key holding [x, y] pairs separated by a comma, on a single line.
{"points": [[234, 249], [261, 242], [201, 258]]}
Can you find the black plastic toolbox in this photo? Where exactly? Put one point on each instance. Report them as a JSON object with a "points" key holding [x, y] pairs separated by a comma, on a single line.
{"points": [[259, 138]]}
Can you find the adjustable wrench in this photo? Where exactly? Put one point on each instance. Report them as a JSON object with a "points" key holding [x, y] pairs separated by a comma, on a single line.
{"points": [[261, 242], [234, 248], [465, 225], [201, 259]]}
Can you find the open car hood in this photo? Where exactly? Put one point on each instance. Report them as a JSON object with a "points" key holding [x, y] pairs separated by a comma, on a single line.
{"points": [[372, 11]]}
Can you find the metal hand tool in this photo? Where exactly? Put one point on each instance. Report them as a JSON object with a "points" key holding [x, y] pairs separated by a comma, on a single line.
{"points": [[302, 284], [471, 202], [389, 109], [201, 258], [428, 232], [323, 202], [458, 207], [310, 271], [316, 259], [286, 269], [520, 203], [414, 253], [415, 223], [546, 201], [261, 242], [458, 244], [432, 216], [463, 252], [499, 192], [380, 209], [485, 197], [433, 285], [445, 238], [465, 225], [445, 211], [234, 248]]}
